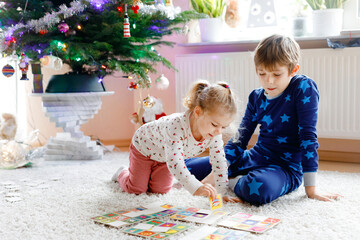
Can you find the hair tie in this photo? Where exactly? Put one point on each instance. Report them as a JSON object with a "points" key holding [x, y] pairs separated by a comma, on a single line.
{"points": [[227, 86]]}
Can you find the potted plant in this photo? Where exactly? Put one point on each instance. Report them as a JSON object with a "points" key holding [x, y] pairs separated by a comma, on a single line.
{"points": [[212, 23], [327, 16]]}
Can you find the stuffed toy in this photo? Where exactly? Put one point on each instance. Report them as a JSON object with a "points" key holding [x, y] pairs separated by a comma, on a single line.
{"points": [[232, 17], [148, 112], [8, 127]]}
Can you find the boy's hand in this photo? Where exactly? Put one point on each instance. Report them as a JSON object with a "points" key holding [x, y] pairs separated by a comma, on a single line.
{"points": [[232, 199], [206, 190], [311, 192]]}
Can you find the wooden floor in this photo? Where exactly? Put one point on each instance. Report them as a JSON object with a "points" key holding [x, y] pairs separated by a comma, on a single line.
{"points": [[323, 165], [339, 166]]}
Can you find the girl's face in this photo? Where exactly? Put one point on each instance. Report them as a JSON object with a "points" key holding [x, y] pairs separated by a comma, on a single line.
{"points": [[276, 81], [209, 124]]}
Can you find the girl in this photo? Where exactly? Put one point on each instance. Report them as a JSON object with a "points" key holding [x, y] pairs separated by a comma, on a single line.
{"points": [[158, 148]]}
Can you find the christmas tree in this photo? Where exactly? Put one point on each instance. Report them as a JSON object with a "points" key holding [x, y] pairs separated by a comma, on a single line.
{"points": [[92, 36]]}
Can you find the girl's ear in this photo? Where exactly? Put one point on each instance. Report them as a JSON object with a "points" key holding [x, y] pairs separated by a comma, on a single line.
{"points": [[198, 111], [295, 70]]}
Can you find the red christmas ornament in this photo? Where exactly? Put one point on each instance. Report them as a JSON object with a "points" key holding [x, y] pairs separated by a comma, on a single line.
{"points": [[10, 40], [120, 9], [43, 32], [126, 24], [132, 86], [135, 9]]}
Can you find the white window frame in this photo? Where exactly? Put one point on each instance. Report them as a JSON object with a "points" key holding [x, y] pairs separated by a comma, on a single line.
{"points": [[352, 14]]}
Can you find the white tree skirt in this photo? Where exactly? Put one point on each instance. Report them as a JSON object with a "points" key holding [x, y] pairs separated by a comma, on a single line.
{"points": [[56, 200]]}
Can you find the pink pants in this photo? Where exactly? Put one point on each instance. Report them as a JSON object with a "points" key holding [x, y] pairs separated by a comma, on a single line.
{"points": [[145, 175]]}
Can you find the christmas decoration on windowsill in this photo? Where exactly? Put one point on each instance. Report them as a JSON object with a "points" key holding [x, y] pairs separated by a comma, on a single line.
{"points": [[88, 34]]}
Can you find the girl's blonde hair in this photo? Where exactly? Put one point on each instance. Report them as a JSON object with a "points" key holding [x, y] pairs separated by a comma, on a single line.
{"points": [[210, 97], [277, 49]]}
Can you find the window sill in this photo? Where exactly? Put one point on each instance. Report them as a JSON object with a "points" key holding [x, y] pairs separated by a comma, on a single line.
{"points": [[244, 45]]}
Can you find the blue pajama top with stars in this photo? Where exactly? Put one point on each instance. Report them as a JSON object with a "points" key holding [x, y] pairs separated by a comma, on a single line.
{"points": [[287, 138]]}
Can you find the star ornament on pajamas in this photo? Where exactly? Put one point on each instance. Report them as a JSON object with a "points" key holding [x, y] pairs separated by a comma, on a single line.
{"points": [[254, 187], [284, 118], [304, 85], [267, 119]]}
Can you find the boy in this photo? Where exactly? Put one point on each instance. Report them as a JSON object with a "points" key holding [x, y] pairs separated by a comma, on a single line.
{"points": [[286, 109]]}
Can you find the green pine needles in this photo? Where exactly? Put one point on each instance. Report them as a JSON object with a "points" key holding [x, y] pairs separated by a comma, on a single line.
{"points": [[95, 40]]}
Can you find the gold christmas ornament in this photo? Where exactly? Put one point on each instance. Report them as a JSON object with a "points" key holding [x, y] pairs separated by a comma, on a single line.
{"points": [[148, 102], [136, 2]]}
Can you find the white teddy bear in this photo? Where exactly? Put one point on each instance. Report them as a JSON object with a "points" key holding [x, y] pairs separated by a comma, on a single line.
{"points": [[8, 127]]}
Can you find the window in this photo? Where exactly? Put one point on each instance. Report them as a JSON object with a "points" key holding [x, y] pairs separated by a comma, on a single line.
{"points": [[259, 18]]}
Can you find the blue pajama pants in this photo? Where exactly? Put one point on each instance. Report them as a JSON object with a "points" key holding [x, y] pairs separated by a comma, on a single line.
{"points": [[258, 185]]}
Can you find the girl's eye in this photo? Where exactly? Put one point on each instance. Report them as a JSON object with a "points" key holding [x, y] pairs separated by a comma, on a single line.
{"points": [[214, 125], [277, 75], [262, 74]]}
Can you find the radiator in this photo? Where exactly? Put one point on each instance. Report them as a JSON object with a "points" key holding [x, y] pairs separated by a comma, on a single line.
{"points": [[336, 73]]}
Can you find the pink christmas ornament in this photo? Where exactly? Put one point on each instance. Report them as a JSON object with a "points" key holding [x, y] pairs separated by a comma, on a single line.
{"points": [[63, 27]]}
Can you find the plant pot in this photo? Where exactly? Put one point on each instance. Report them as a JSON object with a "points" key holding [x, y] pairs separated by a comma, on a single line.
{"points": [[327, 22], [73, 82], [211, 29]]}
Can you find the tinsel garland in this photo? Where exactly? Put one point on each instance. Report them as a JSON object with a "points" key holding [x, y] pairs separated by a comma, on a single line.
{"points": [[169, 11], [50, 19]]}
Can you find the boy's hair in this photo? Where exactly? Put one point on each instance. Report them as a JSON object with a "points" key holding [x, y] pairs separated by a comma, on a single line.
{"points": [[277, 49], [211, 97]]}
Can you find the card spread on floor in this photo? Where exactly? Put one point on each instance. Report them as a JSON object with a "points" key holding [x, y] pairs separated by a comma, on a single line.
{"points": [[248, 222], [216, 203], [156, 229], [139, 216], [198, 215], [210, 232], [126, 217], [118, 218]]}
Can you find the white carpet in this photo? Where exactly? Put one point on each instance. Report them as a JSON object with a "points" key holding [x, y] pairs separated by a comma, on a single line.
{"points": [[59, 198]]}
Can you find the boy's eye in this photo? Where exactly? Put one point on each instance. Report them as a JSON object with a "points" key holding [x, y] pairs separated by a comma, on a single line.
{"points": [[262, 74], [277, 75], [214, 125]]}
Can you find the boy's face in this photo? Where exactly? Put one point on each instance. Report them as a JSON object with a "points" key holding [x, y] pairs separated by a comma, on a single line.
{"points": [[276, 81]]}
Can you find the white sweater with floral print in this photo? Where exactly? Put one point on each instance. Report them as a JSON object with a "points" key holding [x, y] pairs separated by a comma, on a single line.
{"points": [[169, 139]]}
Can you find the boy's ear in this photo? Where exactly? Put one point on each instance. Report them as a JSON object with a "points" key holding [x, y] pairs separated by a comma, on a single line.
{"points": [[295, 70]]}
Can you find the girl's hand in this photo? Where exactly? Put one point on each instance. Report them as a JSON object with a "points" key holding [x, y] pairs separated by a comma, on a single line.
{"points": [[206, 190], [232, 199], [311, 192], [209, 179]]}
